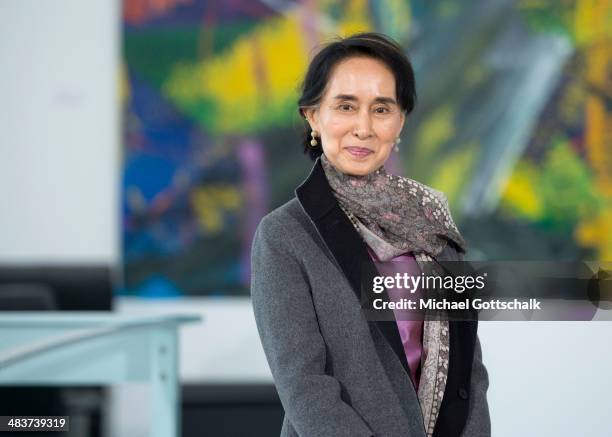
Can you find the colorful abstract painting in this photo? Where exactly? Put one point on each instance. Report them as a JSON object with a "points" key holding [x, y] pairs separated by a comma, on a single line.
{"points": [[514, 98]]}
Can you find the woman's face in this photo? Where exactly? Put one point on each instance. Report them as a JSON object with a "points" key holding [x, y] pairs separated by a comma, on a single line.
{"points": [[358, 118]]}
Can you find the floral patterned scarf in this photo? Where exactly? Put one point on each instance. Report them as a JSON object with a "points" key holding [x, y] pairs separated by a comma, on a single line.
{"points": [[386, 204], [395, 215]]}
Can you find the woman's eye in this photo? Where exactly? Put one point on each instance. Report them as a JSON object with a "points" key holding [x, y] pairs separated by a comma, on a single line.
{"points": [[345, 107], [381, 110]]}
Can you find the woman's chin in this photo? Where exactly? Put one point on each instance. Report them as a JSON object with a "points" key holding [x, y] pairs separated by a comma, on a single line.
{"points": [[359, 168], [349, 164]]}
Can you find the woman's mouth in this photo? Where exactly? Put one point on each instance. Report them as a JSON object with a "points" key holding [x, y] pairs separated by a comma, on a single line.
{"points": [[359, 152]]}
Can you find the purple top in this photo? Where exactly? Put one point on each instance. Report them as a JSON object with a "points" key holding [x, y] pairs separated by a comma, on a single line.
{"points": [[411, 331]]}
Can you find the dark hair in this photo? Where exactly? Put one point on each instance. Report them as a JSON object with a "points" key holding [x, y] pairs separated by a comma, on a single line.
{"points": [[368, 44]]}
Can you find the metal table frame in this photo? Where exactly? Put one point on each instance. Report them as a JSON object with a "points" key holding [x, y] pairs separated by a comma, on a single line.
{"points": [[96, 348]]}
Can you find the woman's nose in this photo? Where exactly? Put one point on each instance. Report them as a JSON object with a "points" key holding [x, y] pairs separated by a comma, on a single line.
{"points": [[363, 125]]}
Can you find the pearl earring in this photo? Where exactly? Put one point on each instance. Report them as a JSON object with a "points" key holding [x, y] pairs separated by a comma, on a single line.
{"points": [[396, 144], [313, 141]]}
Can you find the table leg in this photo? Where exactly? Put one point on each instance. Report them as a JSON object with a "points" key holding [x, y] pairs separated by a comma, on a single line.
{"points": [[165, 385]]}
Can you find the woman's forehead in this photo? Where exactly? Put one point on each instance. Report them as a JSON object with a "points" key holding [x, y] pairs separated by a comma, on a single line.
{"points": [[361, 78]]}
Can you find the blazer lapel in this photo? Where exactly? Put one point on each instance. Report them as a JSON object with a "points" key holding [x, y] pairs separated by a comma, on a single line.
{"points": [[345, 244]]}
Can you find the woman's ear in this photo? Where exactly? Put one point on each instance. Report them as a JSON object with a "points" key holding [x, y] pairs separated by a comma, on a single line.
{"points": [[402, 120], [311, 118]]}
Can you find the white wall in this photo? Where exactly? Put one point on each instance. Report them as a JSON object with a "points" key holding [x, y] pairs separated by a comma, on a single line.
{"points": [[59, 172], [548, 378], [225, 347]]}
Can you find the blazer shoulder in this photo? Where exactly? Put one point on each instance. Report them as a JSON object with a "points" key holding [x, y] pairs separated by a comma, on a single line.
{"points": [[280, 236], [284, 219]]}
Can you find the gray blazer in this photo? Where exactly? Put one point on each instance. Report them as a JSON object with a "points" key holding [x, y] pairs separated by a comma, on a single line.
{"points": [[336, 373]]}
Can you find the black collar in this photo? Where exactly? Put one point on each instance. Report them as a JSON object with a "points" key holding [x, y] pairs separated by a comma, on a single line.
{"points": [[345, 244]]}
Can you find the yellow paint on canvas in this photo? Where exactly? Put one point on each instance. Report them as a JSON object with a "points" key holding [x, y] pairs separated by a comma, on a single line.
{"points": [[355, 19], [597, 233], [436, 130], [520, 195], [251, 82], [598, 135], [211, 202], [592, 21], [450, 175]]}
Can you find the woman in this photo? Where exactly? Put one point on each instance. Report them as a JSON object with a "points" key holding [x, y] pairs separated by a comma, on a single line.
{"points": [[336, 372]]}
